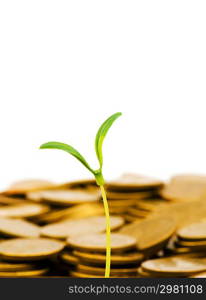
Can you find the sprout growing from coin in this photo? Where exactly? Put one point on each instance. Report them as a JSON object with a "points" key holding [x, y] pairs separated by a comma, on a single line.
{"points": [[101, 133]]}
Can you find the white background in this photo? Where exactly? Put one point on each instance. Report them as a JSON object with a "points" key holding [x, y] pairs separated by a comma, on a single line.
{"points": [[67, 65]]}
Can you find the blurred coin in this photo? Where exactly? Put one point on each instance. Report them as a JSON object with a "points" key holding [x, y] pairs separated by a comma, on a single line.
{"points": [[29, 249], [74, 212], [24, 186], [68, 197], [133, 181], [69, 258], [82, 226], [185, 188], [100, 271], [129, 196], [97, 242], [175, 265], [125, 258], [22, 210], [195, 231], [27, 273], [18, 228], [11, 267], [151, 232]]}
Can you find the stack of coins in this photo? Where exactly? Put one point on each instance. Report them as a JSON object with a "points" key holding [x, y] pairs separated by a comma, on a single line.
{"points": [[173, 266], [49, 229], [87, 255], [126, 191], [183, 188], [190, 239], [27, 257]]}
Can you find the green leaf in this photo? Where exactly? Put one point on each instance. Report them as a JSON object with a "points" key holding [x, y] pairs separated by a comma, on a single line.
{"points": [[101, 135], [69, 149]]}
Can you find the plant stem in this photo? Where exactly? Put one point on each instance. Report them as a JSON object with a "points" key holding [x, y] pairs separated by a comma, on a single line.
{"points": [[108, 232]]}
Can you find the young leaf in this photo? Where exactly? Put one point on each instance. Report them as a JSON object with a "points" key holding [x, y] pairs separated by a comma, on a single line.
{"points": [[101, 135], [69, 149]]}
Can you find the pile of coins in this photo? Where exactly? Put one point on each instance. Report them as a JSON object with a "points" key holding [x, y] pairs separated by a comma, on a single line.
{"points": [[158, 229]]}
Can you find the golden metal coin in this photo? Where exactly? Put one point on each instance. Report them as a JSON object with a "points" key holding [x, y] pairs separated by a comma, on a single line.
{"points": [[69, 258], [76, 274], [74, 212], [28, 273], [175, 265], [11, 267], [18, 228], [68, 197], [100, 271], [24, 186], [5, 200], [150, 232], [82, 226], [133, 182], [129, 196], [23, 210], [185, 188], [126, 258], [29, 249], [97, 242], [195, 231]]}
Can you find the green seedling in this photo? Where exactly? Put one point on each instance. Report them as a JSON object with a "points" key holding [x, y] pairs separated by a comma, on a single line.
{"points": [[101, 133]]}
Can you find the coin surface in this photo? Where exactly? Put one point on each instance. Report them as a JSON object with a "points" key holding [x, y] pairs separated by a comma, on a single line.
{"points": [[29, 249], [175, 265], [27, 273], [97, 242], [195, 231], [68, 197], [126, 258], [10, 267], [100, 271], [133, 181], [150, 232], [18, 228], [69, 258], [82, 226], [23, 210], [185, 188], [23, 186]]}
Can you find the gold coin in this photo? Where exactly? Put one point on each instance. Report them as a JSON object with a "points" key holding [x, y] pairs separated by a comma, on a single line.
{"points": [[126, 258], [129, 196], [137, 212], [101, 271], [97, 242], [10, 267], [68, 197], [185, 188], [24, 186], [175, 265], [74, 212], [152, 204], [200, 275], [68, 228], [150, 232], [29, 249], [69, 258], [18, 228], [133, 181], [191, 243], [195, 231], [84, 275], [4, 200], [23, 210], [76, 274], [29, 273]]}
